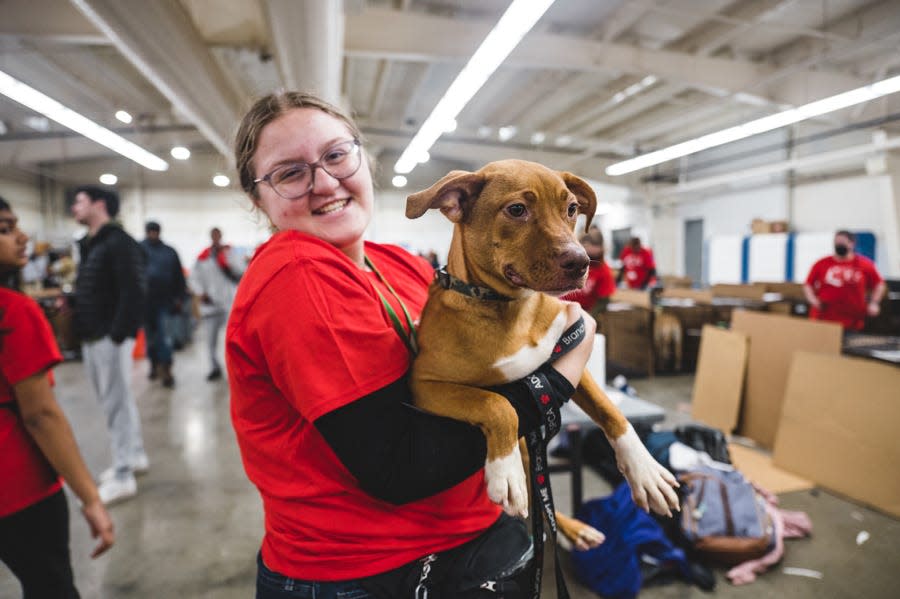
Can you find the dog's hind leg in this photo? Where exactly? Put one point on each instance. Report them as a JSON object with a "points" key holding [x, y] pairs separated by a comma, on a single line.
{"points": [[582, 536]]}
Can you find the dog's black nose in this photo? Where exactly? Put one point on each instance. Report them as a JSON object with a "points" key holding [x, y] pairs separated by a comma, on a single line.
{"points": [[574, 260]]}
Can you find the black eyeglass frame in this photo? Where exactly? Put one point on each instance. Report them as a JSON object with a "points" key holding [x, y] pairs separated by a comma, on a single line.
{"points": [[267, 178]]}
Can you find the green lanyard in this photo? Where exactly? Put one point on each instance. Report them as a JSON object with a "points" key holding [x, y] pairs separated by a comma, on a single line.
{"points": [[409, 339]]}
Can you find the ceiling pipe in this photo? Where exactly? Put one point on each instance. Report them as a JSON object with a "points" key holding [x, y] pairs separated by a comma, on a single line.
{"points": [[308, 40]]}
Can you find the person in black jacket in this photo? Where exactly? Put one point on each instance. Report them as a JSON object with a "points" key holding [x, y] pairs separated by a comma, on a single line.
{"points": [[166, 288], [109, 308]]}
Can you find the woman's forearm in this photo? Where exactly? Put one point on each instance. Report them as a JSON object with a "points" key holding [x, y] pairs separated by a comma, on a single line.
{"points": [[47, 424]]}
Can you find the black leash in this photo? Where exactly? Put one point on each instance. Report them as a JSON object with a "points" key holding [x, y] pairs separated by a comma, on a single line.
{"points": [[541, 492]]}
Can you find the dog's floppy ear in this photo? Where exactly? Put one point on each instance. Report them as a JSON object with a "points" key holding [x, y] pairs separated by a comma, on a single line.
{"points": [[587, 200], [450, 195]]}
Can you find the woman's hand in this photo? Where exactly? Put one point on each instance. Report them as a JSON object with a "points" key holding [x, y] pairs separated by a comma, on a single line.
{"points": [[572, 364], [101, 526]]}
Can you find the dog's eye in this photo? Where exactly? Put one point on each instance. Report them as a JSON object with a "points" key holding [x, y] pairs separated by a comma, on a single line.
{"points": [[516, 210], [573, 209]]}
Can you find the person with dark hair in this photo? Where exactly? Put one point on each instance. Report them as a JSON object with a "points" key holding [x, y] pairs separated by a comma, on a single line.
{"points": [[166, 288], [109, 307], [638, 267], [600, 283], [37, 446], [837, 285], [355, 481], [214, 279]]}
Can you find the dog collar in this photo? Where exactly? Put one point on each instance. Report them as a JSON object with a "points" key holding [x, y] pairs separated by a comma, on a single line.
{"points": [[448, 281]]}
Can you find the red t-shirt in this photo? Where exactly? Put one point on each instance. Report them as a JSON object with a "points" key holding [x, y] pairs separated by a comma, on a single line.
{"points": [[308, 334], [27, 347], [841, 287], [637, 266], [600, 283]]}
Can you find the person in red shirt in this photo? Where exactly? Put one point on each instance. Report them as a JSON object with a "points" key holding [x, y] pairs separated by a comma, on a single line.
{"points": [[638, 268], [36, 441], [354, 482], [600, 283], [837, 285]]}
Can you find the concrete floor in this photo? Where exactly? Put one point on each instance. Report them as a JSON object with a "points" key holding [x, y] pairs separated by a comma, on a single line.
{"points": [[195, 527]]}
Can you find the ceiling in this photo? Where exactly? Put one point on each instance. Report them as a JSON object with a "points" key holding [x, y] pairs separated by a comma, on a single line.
{"points": [[596, 81]]}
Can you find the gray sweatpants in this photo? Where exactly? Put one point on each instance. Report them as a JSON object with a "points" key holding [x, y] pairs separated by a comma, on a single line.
{"points": [[215, 322], [108, 367]]}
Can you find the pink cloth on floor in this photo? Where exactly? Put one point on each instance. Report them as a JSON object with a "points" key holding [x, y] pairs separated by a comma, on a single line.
{"points": [[788, 525]]}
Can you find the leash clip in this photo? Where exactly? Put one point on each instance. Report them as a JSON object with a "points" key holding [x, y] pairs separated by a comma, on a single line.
{"points": [[490, 585]]}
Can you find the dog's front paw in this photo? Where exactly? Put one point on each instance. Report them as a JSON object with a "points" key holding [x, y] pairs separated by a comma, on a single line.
{"points": [[506, 484], [651, 484]]}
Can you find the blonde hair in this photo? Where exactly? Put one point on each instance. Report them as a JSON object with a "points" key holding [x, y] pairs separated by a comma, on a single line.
{"points": [[264, 111]]}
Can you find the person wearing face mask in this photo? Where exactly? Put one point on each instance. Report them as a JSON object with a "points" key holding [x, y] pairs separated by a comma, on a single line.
{"points": [[600, 283], [837, 285], [355, 482]]}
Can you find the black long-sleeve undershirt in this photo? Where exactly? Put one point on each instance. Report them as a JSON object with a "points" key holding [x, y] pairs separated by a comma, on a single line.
{"points": [[400, 454]]}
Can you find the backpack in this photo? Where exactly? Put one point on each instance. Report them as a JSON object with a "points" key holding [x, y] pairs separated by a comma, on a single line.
{"points": [[723, 518]]}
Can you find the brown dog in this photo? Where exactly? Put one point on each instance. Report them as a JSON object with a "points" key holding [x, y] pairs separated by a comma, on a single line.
{"points": [[668, 341], [514, 234]]}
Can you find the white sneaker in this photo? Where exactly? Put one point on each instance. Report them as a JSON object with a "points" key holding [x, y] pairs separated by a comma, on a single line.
{"points": [[140, 466], [117, 489]]}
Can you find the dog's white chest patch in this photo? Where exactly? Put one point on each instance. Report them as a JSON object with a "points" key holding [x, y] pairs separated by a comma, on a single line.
{"points": [[528, 358]]}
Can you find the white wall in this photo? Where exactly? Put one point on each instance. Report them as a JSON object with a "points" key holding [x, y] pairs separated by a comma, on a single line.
{"points": [[186, 217], [725, 214], [857, 203], [26, 203], [863, 203]]}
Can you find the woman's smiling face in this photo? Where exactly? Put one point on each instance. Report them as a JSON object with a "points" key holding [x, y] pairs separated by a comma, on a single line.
{"points": [[336, 211]]}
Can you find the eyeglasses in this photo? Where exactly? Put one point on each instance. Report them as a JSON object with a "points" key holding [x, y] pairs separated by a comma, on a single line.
{"points": [[295, 180]]}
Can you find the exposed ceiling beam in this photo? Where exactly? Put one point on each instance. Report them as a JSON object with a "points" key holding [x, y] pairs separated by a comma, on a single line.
{"points": [[160, 40], [378, 33]]}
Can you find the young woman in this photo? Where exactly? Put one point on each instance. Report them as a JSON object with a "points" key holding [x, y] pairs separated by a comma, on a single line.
{"points": [[36, 442], [354, 482]]}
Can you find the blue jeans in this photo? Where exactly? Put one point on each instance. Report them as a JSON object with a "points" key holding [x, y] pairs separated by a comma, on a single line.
{"points": [[159, 343], [272, 585]]}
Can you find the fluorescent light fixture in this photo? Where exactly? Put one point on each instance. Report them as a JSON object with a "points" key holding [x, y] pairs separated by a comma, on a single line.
{"points": [[123, 116], [518, 20], [761, 125], [507, 133], [221, 180], [108, 179], [538, 137], [399, 181], [180, 153], [35, 100], [564, 140]]}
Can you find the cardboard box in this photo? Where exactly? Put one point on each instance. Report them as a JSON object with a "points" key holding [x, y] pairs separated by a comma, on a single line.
{"points": [[778, 226], [839, 427], [788, 291], [670, 282], [719, 383], [700, 296], [629, 339], [773, 340], [634, 297], [759, 226], [755, 291]]}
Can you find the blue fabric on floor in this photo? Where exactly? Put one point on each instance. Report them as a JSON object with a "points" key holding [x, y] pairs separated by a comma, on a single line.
{"points": [[614, 568]]}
